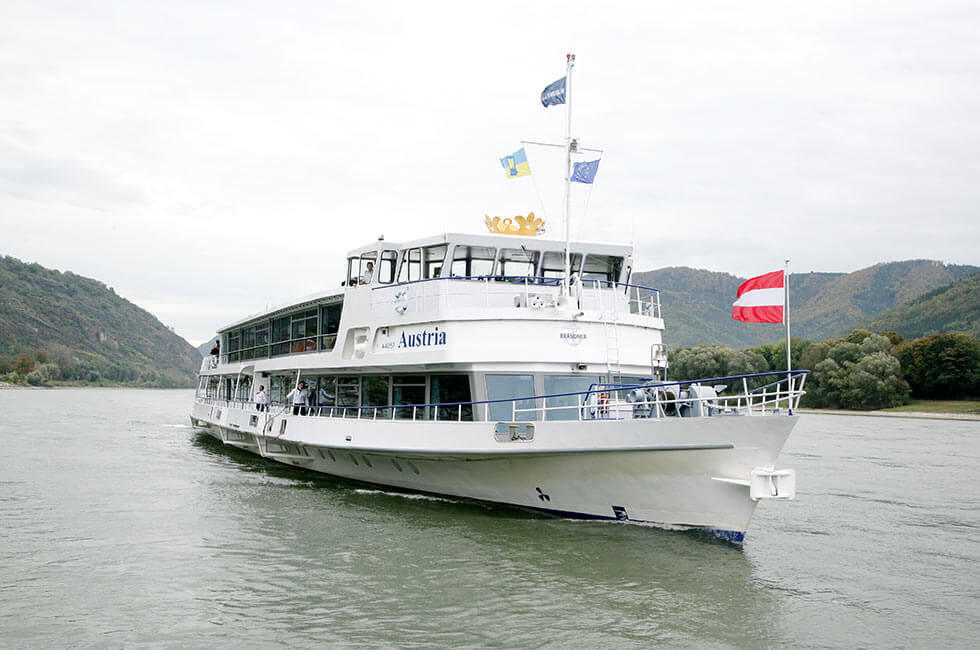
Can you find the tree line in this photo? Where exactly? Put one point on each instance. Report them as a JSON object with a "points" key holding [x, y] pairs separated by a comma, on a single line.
{"points": [[60, 364], [862, 370]]}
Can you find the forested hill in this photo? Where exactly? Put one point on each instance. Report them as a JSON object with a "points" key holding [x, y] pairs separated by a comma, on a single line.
{"points": [[954, 308], [697, 304], [87, 329]]}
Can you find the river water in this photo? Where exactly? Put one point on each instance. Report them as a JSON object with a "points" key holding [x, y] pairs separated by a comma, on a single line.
{"points": [[120, 525]]}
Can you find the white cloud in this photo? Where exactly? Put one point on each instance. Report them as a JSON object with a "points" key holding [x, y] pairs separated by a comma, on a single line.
{"points": [[200, 157]]}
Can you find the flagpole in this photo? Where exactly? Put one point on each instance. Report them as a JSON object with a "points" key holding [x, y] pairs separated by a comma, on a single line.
{"points": [[789, 366], [570, 62]]}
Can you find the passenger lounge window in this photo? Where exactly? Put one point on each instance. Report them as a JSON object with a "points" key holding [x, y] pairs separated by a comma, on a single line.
{"points": [[451, 389], [330, 325], [509, 387], [406, 391]]}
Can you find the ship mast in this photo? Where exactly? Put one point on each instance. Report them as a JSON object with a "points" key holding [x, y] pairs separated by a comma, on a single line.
{"points": [[570, 63]]}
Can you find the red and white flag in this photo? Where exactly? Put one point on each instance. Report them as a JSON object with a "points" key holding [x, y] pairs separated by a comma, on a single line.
{"points": [[761, 299]]}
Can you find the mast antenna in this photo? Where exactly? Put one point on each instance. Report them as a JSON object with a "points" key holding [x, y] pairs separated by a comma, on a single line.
{"points": [[570, 64]]}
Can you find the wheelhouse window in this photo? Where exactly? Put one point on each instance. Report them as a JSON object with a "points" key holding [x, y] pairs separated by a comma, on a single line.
{"points": [[433, 258], [411, 269], [553, 264], [603, 269], [386, 269], [360, 269], [517, 263], [472, 261]]}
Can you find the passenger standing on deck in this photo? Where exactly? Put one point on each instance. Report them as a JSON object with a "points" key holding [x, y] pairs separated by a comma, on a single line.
{"points": [[262, 399], [301, 398]]}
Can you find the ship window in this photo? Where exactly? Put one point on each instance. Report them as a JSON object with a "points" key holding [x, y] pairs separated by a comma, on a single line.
{"points": [[472, 261], [348, 391], [280, 336], [553, 264], [279, 385], [433, 257], [411, 269], [406, 391], [517, 263], [330, 325], [510, 387], [325, 393], [386, 270], [374, 392], [234, 345], [448, 390], [562, 384], [303, 331], [602, 268]]}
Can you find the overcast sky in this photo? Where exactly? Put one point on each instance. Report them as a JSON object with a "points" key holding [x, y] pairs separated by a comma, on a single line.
{"points": [[207, 158]]}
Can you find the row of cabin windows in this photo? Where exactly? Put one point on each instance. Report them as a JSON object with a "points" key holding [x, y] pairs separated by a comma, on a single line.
{"points": [[427, 262], [510, 395], [328, 393], [305, 331]]}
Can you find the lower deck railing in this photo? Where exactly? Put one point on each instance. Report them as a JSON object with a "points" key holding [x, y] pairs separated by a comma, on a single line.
{"points": [[650, 399]]}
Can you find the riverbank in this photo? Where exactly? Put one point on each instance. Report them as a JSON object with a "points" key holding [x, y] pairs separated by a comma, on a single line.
{"points": [[895, 413]]}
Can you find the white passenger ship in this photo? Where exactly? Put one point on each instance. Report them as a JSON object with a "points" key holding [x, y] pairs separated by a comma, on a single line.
{"points": [[465, 366], [505, 368]]}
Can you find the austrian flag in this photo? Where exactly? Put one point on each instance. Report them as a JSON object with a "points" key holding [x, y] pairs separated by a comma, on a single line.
{"points": [[761, 299]]}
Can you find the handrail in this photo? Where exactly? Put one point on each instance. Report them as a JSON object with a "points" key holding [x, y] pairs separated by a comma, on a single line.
{"points": [[755, 398]]}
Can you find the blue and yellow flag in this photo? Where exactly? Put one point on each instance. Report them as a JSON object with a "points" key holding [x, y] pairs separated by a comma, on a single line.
{"points": [[516, 164]]}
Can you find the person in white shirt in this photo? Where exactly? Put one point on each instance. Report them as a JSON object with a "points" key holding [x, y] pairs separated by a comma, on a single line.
{"points": [[368, 272], [301, 398], [262, 399]]}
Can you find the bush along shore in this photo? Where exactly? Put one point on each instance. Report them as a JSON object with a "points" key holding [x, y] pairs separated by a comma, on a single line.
{"points": [[861, 371], [62, 366]]}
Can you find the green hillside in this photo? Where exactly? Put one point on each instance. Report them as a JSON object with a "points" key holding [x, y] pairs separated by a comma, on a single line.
{"points": [[697, 303], [93, 333], [951, 309]]}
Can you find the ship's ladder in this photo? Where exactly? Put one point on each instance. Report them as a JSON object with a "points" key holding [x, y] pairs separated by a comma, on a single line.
{"points": [[610, 329]]}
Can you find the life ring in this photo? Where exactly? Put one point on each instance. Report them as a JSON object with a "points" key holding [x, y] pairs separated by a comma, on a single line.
{"points": [[401, 301]]}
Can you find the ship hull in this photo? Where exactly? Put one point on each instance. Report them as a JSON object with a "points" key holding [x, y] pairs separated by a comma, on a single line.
{"points": [[689, 473]]}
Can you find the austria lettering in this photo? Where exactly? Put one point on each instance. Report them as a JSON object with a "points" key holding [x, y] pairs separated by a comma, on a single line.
{"points": [[422, 339]]}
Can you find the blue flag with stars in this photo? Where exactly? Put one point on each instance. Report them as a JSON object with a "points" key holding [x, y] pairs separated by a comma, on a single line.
{"points": [[584, 172]]}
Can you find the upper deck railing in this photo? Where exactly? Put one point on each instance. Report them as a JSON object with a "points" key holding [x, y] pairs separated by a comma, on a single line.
{"points": [[650, 399], [499, 291]]}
